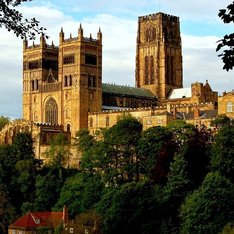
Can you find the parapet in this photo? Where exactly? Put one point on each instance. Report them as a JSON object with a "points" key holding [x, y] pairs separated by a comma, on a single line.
{"points": [[158, 15]]}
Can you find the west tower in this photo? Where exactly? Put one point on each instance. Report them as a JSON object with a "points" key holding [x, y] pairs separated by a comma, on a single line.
{"points": [[62, 84], [159, 54]]}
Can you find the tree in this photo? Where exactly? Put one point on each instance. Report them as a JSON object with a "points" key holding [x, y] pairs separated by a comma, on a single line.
{"points": [[120, 150], [174, 193], [84, 140], [191, 143], [155, 150], [3, 121], [23, 146], [220, 121], [178, 182], [80, 193], [6, 209], [133, 207], [210, 208], [59, 151], [222, 157], [47, 191], [114, 156], [14, 21], [18, 168], [226, 45]]}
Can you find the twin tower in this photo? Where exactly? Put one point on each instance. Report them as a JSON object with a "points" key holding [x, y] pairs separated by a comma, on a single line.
{"points": [[61, 85]]}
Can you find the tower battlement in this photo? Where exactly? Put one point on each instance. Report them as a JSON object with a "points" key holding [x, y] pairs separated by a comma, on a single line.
{"points": [[43, 45], [158, 15], [80, 37]]}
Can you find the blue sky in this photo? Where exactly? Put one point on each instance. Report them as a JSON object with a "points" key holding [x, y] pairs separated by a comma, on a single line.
{"points": [[200, 29]]}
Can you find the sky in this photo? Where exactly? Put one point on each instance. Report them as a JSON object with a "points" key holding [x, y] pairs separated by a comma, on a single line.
{"points": [[200, 27]]}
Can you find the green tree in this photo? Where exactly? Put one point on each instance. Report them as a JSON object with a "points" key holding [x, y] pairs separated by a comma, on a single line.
{"points": [[120, 144], [133, 207], [18, 169], [222, 157], [178, 183], [228, 229], [210, 207], [14, 21], [114, 156], [80, 193], [84, 140], [174, 192], [192, 144], [226, 45], [59, 151], [7, 164], [7, 211], [3, 121], [220, 121], [156, 150], [47, 187], [181, 131], [23, 146]]}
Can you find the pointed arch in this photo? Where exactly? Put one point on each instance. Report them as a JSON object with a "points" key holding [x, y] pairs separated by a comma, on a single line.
{"points": [[51, 111]]}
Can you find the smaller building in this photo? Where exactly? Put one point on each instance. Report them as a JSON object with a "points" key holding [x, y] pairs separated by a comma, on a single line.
{"points": [[36, 222], [226, 104]]}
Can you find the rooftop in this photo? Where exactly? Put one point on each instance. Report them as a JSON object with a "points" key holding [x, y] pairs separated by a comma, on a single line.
{"points": [[180, 93], [33, 220], [127, 90]]}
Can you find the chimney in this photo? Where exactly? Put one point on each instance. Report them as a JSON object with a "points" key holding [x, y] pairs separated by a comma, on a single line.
{"points": [[65, 215]]}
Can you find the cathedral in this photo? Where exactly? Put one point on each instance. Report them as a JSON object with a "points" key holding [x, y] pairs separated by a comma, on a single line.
{"points": [[63, 90]]}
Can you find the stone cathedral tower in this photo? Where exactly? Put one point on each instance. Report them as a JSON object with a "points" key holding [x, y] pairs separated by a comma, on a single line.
{"points": [[158, 54], [62, 84]]}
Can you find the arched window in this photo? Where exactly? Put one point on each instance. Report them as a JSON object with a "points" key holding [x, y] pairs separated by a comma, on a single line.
{"points": [[51, 111]]}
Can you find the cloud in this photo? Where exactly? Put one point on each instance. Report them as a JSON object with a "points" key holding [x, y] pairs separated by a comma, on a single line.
{"points": [[201, 63], [119, 41]]}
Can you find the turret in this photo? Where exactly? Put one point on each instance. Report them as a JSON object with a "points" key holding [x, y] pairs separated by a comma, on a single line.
{"points": [[80, 32], [25, 44], [99, 36], [42, 41], [61, 36]]}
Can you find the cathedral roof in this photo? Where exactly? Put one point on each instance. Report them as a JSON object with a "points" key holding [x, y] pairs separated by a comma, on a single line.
{"points": [[180, 93], [127, 90]]}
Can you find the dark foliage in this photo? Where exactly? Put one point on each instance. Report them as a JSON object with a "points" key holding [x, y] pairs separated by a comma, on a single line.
{"points": [[226, 45], [14, 21]]}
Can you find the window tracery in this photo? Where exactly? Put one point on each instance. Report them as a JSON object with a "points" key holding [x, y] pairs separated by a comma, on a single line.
{"points": [[51, 111]]}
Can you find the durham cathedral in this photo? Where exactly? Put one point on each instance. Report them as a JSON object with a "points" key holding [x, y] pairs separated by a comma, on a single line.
{"points": [[63, 90]]}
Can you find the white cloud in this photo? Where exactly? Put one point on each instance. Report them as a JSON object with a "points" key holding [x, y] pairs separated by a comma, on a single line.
{"points": [[119, 43], [199, 42]]}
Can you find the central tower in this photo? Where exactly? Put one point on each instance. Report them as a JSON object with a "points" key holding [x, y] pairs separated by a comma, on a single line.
{"points": [[158, 54]]}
